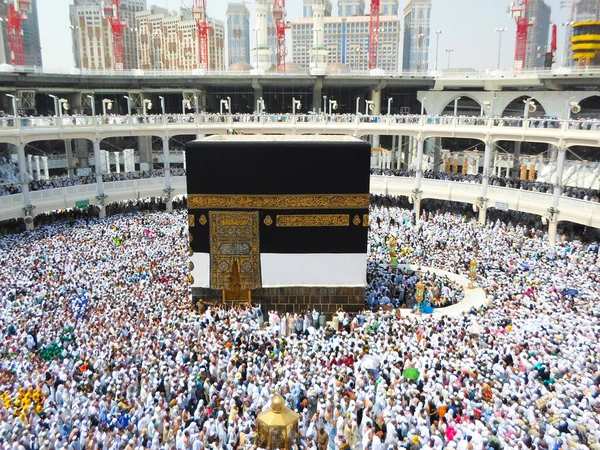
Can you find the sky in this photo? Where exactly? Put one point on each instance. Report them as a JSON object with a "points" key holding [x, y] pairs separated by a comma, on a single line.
{"points": [[468, 29]]}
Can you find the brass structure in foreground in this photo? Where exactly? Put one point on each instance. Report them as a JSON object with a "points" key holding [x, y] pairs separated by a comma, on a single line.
{"points": [[278, 426]]}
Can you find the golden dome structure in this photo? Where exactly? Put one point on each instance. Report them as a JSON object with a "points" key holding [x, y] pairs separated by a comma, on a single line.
{"points": [[277, 426]]}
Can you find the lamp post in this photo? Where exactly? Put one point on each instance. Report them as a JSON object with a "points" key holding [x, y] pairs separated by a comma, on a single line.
{"points": [[437, 47], [423, 106], [185, 104], [224, 103], [456, 106], [500, 31], [419, 295], [528, 104], [368, 106], [196, 108], [390, 100], [63, 105], [449, 51], [472, 272], [333, 105], [106, 104], [128, 104], [357, 106], [146, 104], [14, 104], [93, 104], [162, 104], [260, 105], [56, 113], [296, 104]]}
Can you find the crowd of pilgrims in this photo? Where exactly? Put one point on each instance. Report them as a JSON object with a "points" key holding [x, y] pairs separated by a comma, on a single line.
{"points": [[102, 349]]}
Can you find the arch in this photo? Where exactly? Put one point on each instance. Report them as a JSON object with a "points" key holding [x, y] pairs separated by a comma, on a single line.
{"points": [[590, 108], [466, 106], [516, 108]]}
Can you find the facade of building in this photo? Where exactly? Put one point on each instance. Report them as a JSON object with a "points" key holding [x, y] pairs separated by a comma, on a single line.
{"points": [[238, 33], [417, 30], [349, 8], [92, 34], [307, 8], [31, 38], [538, 35], [583, 11], [170, 42], [347, 41]]}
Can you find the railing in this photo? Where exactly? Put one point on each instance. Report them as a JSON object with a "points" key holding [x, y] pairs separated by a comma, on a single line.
{"points": [[233, 119], [439, 74]]}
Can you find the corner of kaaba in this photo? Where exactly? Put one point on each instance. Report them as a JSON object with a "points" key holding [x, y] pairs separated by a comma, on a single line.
{"points": [[280, 221]]}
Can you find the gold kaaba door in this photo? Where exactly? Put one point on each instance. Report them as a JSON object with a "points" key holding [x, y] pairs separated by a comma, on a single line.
{"points": [[234, 253]]}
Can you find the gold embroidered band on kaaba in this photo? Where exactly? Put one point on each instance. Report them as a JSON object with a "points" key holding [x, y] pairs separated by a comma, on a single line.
{"points": [[285, 201], [313, 220]]}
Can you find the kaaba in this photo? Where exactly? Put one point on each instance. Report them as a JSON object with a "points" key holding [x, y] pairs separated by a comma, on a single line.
{"points": [[279, 220]]}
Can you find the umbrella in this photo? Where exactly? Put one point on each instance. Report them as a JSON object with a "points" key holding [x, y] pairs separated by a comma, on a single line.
{"points": [[370, 362], [411, 373], [572, 291]]}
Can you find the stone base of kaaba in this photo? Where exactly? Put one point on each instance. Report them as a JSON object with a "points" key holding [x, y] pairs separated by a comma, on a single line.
{"points": [[326, 300]]}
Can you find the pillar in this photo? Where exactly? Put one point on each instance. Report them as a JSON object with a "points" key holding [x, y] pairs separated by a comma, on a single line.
{"points": [[128, 160], [553, 222], [37, 167], [105, 161], [69, 154], [145, 151], [24, 180], [258, 93], [45, 167], [99, 180], [317, 92], [376, 98], [30, 165], [418, 177], [167, 165], [82, 151], [200, 136], [184, 161], [516, 168], [437, 154], [487, 157], [118, 162]]}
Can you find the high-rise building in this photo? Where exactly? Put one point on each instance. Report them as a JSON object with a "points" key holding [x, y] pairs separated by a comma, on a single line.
{"points": [[92, 34], [346, 40], [31, 38], [349, 8], [584, 11], [4, 44], [538, 34], [238, 33], [417, 17], [170, 41], [389, 8]]}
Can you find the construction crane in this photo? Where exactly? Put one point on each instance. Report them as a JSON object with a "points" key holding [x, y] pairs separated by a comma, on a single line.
{"points": [[519, 10], [280, 26], [199, 14], [374, 34], [16, 15], [110, 10]]}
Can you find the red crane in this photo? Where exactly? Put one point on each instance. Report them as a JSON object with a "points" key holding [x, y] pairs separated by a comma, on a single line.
{"points": [[520, 12], [111, 12], [374, 34], [16, 15], [199, 14], [280, 26]]}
